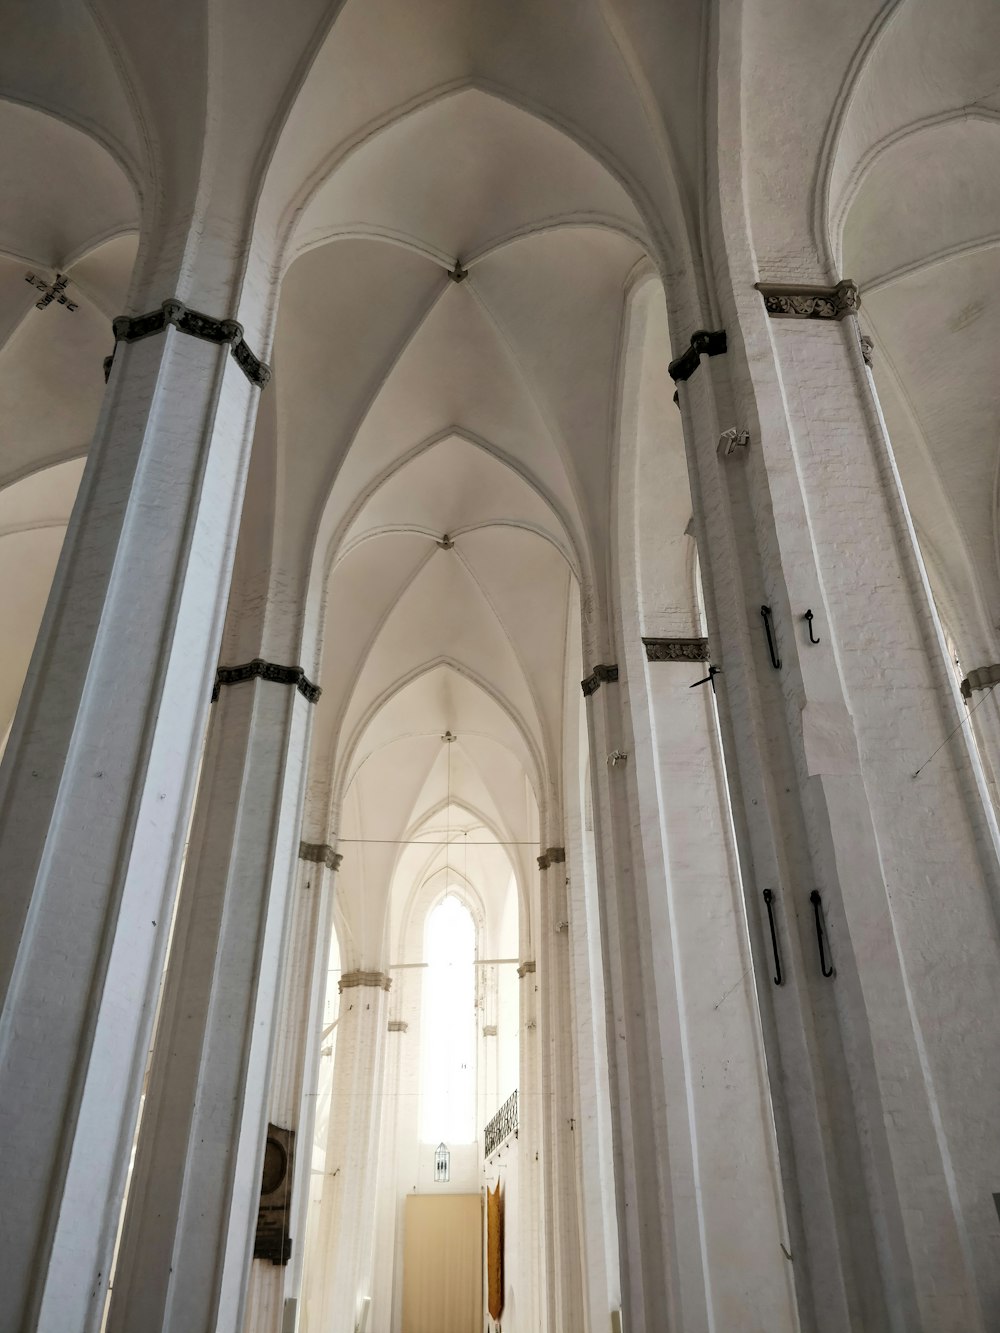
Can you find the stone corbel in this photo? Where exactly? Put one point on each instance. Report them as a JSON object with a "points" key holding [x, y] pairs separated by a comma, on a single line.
{"points": [[980, 679], [783, 300], [676, 650], [322, 853], [552, 856]]}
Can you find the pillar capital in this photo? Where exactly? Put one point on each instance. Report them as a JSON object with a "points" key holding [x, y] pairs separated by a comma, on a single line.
{"points": [[349, 980], [175, 314], [258, 669], [526, 969]]}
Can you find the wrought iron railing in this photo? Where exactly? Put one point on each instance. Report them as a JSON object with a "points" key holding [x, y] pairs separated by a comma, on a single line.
{"points": [[502, 1126]]}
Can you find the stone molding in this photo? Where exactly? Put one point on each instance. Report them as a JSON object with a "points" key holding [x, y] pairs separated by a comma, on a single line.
{"points": [[352, 979], [794, 301], [980, 679], [676, 650], [600, 675], [258, 669], [322, 853], [867, 350], [398, 1025], [709, 343], [525, 969], [175, 314], [552, 856]]}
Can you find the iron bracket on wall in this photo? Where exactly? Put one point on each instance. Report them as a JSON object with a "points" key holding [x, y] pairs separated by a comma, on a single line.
{"points": [[709, 342], [713, 671], [765, 615], [817, 903], [769, 899], [808, 618]]}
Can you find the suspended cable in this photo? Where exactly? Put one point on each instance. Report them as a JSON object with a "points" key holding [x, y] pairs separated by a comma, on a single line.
{"points": [[955, 729], [420, 842]]}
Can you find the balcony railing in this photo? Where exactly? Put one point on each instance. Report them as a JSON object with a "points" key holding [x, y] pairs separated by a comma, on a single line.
{"points": [[502, 1126]]}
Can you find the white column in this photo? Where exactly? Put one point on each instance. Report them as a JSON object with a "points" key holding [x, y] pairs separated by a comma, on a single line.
{"points": [[529, 1150], [728, 1212], [95, 793], [599, 1220], [648, 1261], [561, 1213], [388, 1232], [291, 1097], [887, 1072], [348, 1207], [189, 1225]]}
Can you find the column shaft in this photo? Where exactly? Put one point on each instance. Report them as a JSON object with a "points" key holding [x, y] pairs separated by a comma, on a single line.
{"points": [[531, 1201], [648, 1261], [294, 1073], [348, 1207], [884, 1080], [95, 793], [564, 1289], [189, 1225], [728, 1213]]}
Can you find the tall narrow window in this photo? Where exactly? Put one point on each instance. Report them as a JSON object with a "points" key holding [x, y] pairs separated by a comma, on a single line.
{"points": [[448, 1029]]}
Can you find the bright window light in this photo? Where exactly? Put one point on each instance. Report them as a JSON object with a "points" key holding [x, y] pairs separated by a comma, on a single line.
{"points": [[448, 1029]]}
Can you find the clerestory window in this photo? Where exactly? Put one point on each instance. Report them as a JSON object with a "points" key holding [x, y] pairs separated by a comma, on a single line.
{"points": [[448, 1026]]}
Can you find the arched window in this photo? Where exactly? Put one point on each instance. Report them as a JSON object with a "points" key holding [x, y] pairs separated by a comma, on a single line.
{"points": [[448, 1028]]}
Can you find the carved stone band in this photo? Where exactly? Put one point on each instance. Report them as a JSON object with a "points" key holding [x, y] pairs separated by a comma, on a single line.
{"points": [[398, 1025], [980, 679], [600, 675], [525, 970], [702, 342], [175, 314], [258, 669], [377, 979], [676, 650], [791, 301], [552, 856], [320, 852]]}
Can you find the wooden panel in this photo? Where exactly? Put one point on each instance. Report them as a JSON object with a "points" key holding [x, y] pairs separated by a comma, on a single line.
{"points": [[443, 1263]]}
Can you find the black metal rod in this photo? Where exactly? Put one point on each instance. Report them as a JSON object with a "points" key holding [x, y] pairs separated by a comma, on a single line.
{"points": [[769, 899], [817, 903], [765, 613], [808, 617]]}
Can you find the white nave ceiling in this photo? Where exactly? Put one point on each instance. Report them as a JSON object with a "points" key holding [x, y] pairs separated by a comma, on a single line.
{"points": [[468, 240]]}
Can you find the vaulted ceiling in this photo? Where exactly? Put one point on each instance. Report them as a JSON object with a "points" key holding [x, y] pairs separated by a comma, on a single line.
{"points": [[446, 450]]}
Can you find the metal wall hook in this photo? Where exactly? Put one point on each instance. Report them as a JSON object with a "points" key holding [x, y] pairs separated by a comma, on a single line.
{"points": [[765, 613], [769, 899], [808, 618], [713, 671], [817, 903]]}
